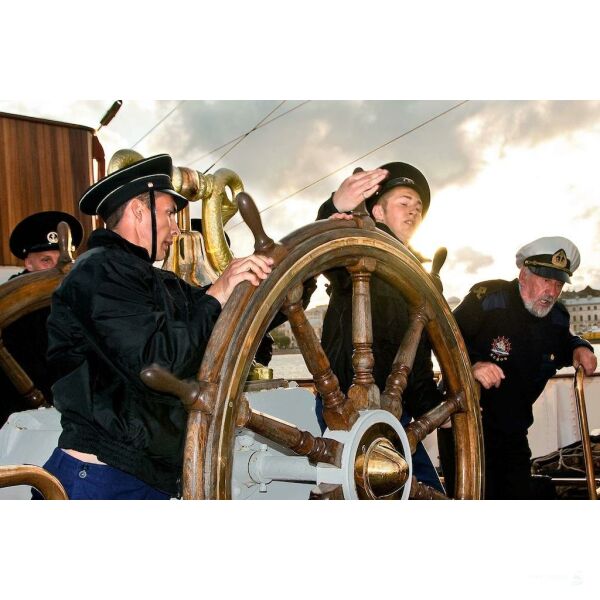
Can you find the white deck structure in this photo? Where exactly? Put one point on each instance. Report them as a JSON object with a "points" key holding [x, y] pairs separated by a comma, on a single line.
{"points": [[29, 437]]}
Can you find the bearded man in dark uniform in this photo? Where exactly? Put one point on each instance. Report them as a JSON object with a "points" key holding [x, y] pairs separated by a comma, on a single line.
{"points": [[517, 335], [35, 241], [397, 196]]}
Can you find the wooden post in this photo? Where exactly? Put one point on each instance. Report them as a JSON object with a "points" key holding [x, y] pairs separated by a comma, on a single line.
{"points": [[363, 392]]}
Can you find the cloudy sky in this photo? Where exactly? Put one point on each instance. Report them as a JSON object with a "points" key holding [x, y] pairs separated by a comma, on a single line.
{"points": [[501, 172]]}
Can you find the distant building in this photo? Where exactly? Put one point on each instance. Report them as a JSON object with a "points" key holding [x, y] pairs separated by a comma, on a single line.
{"points": [[584, 309]]}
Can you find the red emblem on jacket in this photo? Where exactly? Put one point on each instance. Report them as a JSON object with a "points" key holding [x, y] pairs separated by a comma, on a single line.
{"points": [[500, 349]]}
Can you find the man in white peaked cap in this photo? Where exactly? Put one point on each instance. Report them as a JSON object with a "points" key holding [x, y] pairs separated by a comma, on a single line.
{"points": [[517, 335]]}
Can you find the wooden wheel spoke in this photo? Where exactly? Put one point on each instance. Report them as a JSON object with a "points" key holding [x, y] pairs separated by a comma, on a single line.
{"points": [[303, 443], [338, 411], [363, 392], [33, 398], [420, 428], [391, 399], [420, 491]]}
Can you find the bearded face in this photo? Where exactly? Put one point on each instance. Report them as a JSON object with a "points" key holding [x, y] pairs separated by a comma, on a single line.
{"points": [[539, 294]]}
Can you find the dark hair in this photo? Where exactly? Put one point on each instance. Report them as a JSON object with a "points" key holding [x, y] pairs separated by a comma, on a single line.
{"points": [[115, 217]]}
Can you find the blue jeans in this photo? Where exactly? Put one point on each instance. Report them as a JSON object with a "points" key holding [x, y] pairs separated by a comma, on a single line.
{"points": [[423, 468], [89, 481]]}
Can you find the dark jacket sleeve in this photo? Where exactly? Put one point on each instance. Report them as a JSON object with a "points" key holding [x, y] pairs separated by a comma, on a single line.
{"points": [[338, 277], [134, 328], [326, 209], [574, 341], [469, 317], [569, 344], [422, 394]]}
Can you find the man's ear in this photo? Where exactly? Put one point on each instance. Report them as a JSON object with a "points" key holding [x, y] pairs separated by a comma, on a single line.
{"points": [[28, 263], [522, 275], [377, 211], [136, 207]]}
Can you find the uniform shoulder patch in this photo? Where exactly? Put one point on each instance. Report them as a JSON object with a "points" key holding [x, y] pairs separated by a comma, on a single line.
{"points": [[483, 288], [491, 293], [480, 291]]}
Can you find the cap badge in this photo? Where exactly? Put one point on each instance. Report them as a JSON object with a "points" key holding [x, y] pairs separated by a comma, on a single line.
{"points": [[500, 349], [559, 259], [406, 180], [52, 237]]}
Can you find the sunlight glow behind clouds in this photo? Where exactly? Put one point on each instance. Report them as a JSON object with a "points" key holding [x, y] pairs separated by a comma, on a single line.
{"points": [[520, 194]]}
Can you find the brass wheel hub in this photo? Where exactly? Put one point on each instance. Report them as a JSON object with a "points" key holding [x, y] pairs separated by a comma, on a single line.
{"points": [[376, 461], [380, 469]]}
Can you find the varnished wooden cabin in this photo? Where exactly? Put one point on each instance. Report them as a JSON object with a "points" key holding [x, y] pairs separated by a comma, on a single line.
{"points": [[44, 165]]}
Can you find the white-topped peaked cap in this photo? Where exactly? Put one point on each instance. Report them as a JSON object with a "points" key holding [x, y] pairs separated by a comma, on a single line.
{"points": [[552, 257]]}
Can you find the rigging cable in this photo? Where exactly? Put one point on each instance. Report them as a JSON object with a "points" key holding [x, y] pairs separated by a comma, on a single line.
{"points": [[243, 137], [359, 158], [243, 134], [155, 126]]}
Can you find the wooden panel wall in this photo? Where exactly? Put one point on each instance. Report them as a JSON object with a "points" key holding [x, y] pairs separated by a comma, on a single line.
{"points": [[44, 165]]}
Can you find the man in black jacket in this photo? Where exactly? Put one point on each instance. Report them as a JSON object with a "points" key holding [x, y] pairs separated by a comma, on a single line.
{"points": [[397, 196], [517, 335], [35, 241], [113, 315]]}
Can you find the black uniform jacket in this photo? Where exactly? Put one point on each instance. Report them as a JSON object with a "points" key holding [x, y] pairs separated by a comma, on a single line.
{"points": [[390, 321], [498, 328], [113, 315]]}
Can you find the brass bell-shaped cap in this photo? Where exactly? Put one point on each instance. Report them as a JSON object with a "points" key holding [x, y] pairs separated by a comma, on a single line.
{"points": [[381, 472]]}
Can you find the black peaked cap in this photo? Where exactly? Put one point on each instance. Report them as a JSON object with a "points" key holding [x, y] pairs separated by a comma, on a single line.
{"points": [[106, 195], [402, 174], [38, 232]]}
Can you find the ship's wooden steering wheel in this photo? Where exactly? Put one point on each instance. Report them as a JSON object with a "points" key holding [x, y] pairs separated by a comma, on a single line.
{"points": [[364, 420]]}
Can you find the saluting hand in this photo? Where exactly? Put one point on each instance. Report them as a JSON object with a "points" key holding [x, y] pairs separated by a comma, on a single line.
{"points": [[356, 188], [253, 268], [488, 374]]}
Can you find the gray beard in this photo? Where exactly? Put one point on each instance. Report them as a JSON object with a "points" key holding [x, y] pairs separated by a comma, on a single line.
{"points": [[537, 312]]}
